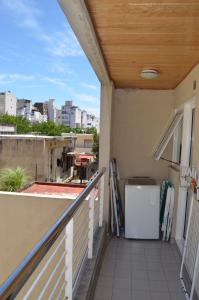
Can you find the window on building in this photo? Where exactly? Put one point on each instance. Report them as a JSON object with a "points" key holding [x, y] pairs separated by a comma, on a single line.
{"points": [[167, 135], [177, 143]]}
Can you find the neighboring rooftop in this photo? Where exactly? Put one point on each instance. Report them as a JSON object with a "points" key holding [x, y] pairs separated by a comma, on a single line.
{"points": [[34, 137], [68, 190]]}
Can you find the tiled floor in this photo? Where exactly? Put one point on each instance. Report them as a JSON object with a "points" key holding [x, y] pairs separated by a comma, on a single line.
{"points": [[139, 270]]}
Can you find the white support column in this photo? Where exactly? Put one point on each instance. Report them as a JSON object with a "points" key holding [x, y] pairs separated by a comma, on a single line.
{"points": [[91, 224], [69, 260], [105, 141], [101, 200]]}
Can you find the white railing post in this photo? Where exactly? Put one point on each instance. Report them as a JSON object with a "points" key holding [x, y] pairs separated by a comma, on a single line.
{"points": [[101, 200], [91, 223], [69, 260]]}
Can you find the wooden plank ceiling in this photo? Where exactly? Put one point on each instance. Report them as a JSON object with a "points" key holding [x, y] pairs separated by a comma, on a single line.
{"points": [[137, 34]]}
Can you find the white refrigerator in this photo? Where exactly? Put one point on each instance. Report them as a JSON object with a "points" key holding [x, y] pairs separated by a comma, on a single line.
{"points": [[142, 211]]}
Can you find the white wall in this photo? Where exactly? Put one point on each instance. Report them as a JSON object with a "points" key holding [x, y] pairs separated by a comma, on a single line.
{"points": [[8, 103]]}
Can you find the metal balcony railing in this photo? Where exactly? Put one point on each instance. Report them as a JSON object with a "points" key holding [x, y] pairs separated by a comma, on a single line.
{"points": [[51, 269]]}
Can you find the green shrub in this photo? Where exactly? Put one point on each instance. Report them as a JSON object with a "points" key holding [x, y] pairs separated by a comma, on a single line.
{"points": [[12, 180]]}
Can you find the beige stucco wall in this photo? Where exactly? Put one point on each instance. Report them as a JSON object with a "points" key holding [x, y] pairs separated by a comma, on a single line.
{"points": [[139, 118], [25, 153], [24, 219], [33, 156]]}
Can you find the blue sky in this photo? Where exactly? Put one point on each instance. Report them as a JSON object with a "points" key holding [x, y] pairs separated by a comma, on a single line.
{"points": [[40, 57]]}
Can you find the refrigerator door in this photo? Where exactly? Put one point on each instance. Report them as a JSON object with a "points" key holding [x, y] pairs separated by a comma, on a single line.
{"points": [[142, 208]]}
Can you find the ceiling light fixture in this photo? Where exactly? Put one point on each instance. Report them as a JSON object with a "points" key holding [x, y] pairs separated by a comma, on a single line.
{"points": [[149, 73]]}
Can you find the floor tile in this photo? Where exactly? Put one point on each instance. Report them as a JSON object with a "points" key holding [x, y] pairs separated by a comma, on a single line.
{"points": [[105, 281], [140, 285], [154, 265], [178, 296], [139, 270], [160, 296], [158, 286], [174, 286], [138, 265], [141, 295], [139, 274], [121, 294], [122, 283], [103, 294], [156, 275], [122, 273]]}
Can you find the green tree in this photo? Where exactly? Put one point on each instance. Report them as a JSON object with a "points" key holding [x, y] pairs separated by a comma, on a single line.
{"points": [[22, 125], [50, 128], [95, 148], [12, 179]]}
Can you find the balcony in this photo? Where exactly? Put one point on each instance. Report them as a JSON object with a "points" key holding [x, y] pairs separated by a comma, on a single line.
{"points": [[64, 263], [76, 257]]}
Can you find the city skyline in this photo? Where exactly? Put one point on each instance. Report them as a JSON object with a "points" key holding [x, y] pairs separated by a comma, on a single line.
{"points": [[56, 68]]}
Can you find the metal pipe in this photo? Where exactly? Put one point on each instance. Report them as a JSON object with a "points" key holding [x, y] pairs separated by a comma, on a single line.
{"points": [[185, 249], [14, 283]]}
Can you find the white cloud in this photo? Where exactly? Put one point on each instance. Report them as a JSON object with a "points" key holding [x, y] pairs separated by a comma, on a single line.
{"points": [[13, 77], [25, 12], [53, 80], [64, 43], [86, 98], [89, 86], [31, 86], [20, 77], [27, 15], [59, 67]]}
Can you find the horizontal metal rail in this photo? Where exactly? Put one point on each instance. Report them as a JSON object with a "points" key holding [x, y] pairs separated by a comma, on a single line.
{"points": [[11, 287]]}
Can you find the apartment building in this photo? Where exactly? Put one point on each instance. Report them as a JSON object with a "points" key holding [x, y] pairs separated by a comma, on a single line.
{"points": [[37, 117], [92, 121], [59, 116], [75, 117], [24, 108], [71, 115], [42, 107], [84, 119], [84, 143], [51, 110], [8, 103], [66, 112]]}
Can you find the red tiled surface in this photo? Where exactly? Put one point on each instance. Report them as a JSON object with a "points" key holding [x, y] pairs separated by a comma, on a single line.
{"points": [[55, 189]]}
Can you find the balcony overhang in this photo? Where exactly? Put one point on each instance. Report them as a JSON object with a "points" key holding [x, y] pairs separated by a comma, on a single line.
{"points": [[125, 37]]}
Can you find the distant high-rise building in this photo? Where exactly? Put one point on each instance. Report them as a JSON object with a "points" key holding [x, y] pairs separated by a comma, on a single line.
{"points": [[92, 121], [51, 110], [71, 115], [8, 103], [59, 116], [84, 119], [65, 112], [75, 117], [36, 116], [42, 107], [24, 108]]}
